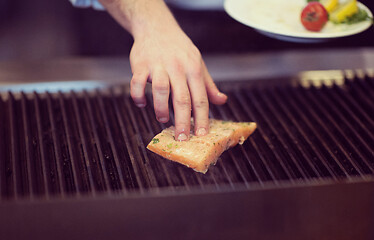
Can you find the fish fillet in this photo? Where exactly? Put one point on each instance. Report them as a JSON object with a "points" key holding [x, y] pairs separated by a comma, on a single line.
{"points": [[199, 152]]}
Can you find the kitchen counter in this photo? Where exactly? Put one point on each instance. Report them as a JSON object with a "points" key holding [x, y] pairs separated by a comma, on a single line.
{"points": [[221, 67]]}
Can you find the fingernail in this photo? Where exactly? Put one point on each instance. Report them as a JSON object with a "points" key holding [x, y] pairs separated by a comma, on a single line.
{"points": [[182, 137], [201, 132], [141, 105], [221, 94], [162, 119]]}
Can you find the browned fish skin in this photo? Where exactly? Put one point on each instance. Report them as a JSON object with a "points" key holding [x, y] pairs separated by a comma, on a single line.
{"points": [[201, 151]]}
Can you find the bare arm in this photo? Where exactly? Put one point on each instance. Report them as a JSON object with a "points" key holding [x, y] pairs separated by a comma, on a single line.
{"points": [[164, 55]]}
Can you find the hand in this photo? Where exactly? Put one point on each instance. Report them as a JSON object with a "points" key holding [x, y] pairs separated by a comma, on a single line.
{"points": [[166, 57]]}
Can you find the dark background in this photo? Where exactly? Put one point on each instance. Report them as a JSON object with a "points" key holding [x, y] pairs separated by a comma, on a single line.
{"points": [[44, 29]]}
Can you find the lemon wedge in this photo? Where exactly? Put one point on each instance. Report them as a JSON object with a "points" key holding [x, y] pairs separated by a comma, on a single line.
{"points": [[330, 5], [344, 11]]}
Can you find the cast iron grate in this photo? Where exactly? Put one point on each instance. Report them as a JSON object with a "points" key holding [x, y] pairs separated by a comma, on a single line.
{"points": [[92, 142]]}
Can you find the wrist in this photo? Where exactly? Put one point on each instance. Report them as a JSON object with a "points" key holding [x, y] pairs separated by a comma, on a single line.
{"points": [[141, 17], [157, 19]]}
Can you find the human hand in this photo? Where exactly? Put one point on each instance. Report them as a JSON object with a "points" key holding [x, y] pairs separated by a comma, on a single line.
{"points": [[163, 55], [166, 57]]}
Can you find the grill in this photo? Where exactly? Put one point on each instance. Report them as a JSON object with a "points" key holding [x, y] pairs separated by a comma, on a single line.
{"points": [[315, 136]]}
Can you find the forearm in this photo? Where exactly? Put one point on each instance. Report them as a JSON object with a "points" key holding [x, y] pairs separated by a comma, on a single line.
{"points": [[140, 17]]}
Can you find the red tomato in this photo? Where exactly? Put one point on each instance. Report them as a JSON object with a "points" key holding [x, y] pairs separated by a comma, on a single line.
{"points": [[314, 16]]}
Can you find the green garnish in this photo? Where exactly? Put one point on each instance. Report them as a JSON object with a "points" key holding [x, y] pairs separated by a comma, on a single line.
{"points": [[155, 140], [170, 145], [359, 16], [308, 1]]}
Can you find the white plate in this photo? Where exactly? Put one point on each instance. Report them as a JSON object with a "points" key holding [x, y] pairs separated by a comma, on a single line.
{"points": [[281, 19]]}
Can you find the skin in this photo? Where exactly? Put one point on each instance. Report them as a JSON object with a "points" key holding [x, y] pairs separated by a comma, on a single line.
{"points": [[164, 55]]}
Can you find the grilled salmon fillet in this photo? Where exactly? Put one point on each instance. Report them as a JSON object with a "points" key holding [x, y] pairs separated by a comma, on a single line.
{"points": [[199, 152]]}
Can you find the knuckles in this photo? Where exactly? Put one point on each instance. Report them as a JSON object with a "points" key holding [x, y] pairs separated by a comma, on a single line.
{"points": [[161, 88], [183, 102], [202, 103], [196, 73]]}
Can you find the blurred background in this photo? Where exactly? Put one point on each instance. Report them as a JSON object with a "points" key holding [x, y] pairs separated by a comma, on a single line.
{"points": [[44, 29]]}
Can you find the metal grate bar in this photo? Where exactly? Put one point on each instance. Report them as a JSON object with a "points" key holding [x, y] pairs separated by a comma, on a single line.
{"points": [[305, 138], [81, 185], [25, 122], [163, 177], [57, 142], [5, 153], [48, 149], [256, 160], [105, 115], [36, 164], [103, 163], [329, 131], [94, 177], [353, 110], [18, 145], [354, 101], [44, 169], [293, 139], [251, 174], [348, 140], [270, 139], [14, 153], [130, 158], [314, 129], [268, 116], [362, 88], [270, 161], [102, 143], [139, 145]]}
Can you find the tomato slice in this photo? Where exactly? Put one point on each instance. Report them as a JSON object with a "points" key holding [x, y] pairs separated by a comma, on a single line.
{"points": [[314, 16]]}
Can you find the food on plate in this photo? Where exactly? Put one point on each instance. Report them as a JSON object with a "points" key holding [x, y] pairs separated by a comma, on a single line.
{"points": [[339, 12], [344, 11], [349, 13], [330, 5], [360, 16], [314, 16], [199, 152]]}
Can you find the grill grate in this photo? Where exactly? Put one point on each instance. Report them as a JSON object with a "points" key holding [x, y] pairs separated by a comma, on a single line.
{"points": [[85, 143]]}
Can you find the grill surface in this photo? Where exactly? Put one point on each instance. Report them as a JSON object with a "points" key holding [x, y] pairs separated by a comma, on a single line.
{"points": [[91, 142]]}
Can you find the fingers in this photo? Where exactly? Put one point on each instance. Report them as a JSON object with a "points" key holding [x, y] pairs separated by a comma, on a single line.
{"points": [[182, 106], [160, 91], [200, 105], [214, 95], [138, 82]]}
